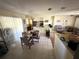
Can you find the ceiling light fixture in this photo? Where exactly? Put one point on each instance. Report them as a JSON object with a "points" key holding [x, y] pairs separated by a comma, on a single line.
{"points": [[63, 7], [49, 9]]}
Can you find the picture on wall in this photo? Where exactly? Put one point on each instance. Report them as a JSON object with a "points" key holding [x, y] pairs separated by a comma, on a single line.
{"points": [[41, 24], [46, 21], [34, 23], [58, 20]]}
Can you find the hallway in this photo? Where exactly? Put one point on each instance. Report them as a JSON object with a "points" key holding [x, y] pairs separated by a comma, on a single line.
{"points": [[41, 50]]}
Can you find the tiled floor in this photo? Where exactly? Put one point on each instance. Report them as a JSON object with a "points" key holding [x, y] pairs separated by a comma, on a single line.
{"points": [[41, 50]]}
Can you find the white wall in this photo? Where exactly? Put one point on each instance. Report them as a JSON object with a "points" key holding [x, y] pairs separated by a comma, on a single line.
{"points": [[77, 22], [43, 18], [63, 18]]}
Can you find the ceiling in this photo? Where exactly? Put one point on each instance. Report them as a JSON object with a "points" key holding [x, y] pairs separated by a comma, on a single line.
{"points": [[39, 7]]}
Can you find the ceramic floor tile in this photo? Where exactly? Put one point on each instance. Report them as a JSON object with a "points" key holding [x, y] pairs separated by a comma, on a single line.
{"points": [[41, 50]]}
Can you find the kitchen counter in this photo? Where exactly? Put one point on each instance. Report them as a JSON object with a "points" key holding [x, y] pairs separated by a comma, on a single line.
{"points": [[60, 50]]}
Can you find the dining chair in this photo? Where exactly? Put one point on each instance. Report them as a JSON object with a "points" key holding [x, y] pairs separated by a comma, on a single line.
{"points": [[26, 41], [35, 36]]}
